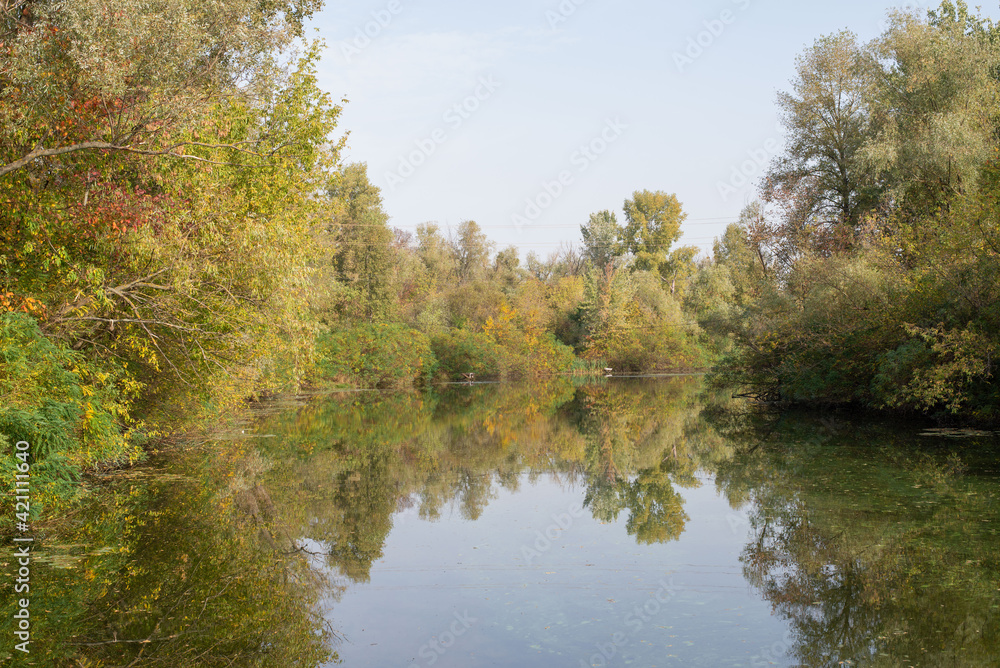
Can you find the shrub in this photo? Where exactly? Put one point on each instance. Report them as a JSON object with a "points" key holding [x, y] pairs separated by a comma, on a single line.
{"points": [[70, 412], [378, 355], [460, 351]]}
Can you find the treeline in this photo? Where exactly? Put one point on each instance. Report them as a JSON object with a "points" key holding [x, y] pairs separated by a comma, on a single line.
{"points": [[400, 308], [178, 233], [869, 270]]}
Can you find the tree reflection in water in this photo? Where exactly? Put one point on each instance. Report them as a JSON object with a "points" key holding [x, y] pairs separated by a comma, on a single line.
{"points": [[631, 444], [876, 550]]}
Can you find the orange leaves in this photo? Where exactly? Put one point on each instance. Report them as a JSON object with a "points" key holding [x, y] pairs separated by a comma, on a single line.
{"points": [[11, 302]]}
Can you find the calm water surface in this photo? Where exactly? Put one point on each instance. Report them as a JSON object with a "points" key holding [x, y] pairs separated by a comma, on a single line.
{"points": [[621, 523]]}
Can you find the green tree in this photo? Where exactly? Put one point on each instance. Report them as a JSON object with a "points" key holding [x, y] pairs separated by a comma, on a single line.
{"points": [[199, 281], [750, 250], [602, 238], [678, 268], [363, 255], [507, 269], [436, 254], [821, 182], [472, 250], [160, 166], [653, 224], [936, 108], [137, 78]]}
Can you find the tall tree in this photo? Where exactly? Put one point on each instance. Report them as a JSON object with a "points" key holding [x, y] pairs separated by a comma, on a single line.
{"points": [[821, 183], [436, 255], [601, 238], [936, 105], [507, 270], [472, 249], [363, 254], [653, 224], [679, 267]]}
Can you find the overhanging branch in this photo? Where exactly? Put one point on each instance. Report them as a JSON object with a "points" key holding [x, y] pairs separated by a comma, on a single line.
{"points": [[170, 151]]}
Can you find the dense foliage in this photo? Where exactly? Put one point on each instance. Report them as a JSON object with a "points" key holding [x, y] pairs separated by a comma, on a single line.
{"points": [[159, 165], [868, 272], [488, 314], [178, 233]]}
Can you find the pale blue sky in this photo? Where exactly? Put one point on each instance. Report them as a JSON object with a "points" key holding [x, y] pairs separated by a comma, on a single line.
{"points": [[538, 80]]}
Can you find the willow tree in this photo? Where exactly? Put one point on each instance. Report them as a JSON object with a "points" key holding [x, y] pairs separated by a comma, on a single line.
{"points": [[936, 105]]}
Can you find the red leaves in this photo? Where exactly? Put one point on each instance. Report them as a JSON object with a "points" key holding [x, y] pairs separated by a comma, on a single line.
{"points": [[113, 210]]}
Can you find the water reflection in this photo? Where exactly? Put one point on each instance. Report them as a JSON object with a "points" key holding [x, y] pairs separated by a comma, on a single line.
{"points": [[357, 462], [187, 568], [874, 546], [877, 548]]}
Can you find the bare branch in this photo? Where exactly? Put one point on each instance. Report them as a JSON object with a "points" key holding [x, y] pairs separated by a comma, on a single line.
{"points": [[170, 151], [138, 321]]}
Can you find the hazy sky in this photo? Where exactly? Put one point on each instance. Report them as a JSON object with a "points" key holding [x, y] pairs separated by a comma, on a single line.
{"points": [[528, 115]]}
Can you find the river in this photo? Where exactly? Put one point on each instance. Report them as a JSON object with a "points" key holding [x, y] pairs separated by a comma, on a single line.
{"points": [[620, 522]]}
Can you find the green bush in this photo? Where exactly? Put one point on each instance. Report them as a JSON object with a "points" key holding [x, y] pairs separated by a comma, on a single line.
{"points": [[507, 353], [377, 355], [460, 351], [863, 329], [68, 411]]}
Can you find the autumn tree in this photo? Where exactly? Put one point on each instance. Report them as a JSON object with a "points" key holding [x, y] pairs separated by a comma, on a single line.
{"points": [[821, 183], [132, 77], [162, 170]]}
